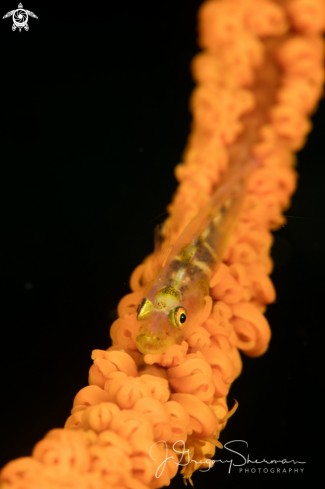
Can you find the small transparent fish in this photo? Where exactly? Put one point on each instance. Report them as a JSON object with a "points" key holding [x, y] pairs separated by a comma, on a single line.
{"points": [[173, 300]]}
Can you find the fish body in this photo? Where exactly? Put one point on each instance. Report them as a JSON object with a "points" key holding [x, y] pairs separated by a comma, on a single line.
{"points": [[173, 300]]}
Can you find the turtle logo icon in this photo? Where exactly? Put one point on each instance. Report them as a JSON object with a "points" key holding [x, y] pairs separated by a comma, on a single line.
{"points": [[20, 18]]}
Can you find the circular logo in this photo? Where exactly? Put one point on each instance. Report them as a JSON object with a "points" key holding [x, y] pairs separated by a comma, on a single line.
{"points": [[20, 18]]}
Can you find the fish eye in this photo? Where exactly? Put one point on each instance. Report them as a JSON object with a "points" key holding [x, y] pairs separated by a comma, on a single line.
{"points": [[177, 316]]}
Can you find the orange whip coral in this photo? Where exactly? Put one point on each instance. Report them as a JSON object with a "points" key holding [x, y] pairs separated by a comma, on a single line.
{"points": [[255, 54]]}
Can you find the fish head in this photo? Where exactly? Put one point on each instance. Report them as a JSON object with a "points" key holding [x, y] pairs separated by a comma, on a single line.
{"points": [[165, 314]]}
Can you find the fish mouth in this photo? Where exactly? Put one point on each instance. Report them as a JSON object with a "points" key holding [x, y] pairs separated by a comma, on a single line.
{"points": [[153, 344]]}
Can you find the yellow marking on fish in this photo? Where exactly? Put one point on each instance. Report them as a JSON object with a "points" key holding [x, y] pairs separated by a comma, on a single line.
{"points": [[202, 266], [167, 297], [208, 247], [217, 219], [154, 343], [178, 258], [145, 309], [170, 290], [205, 234], [187, 253]]}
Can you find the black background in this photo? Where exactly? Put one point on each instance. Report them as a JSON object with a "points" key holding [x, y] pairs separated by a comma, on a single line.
{"points": [[94, 118]]}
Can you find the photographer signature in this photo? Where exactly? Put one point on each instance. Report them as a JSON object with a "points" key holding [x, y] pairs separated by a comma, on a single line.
{"points": [[184, 454]]}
